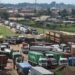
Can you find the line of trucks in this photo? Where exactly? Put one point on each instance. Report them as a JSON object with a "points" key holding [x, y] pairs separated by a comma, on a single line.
{"points": [[49, 59], [46, 57], [40, 58], [22, 67]]}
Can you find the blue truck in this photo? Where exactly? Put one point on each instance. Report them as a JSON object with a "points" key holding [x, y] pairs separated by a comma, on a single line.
{"points": [[71, 61], [23, 68]]}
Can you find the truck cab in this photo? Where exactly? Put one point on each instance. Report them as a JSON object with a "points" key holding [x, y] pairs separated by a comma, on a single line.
{"points": [[51, 61], [63, 61], [42, 62]]}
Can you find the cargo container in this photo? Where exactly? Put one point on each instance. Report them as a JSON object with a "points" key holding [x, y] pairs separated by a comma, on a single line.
{"points": [[3, 61], [23, 68], [40, 71]]}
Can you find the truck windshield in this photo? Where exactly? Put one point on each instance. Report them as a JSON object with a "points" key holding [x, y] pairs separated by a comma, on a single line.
{"points": [[63, 61], [54, 62], [43, 61]]}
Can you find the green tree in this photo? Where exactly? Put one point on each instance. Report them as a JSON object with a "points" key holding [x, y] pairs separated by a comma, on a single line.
{"points": [[4, 15], [73, 12], [49, 12], [63, 13]]}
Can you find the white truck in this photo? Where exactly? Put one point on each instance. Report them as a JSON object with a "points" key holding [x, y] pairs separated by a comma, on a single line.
{"points": [[40, 71]]}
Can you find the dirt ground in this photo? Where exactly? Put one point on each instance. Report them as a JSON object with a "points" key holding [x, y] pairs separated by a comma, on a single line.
{"points": [[9, 69]]}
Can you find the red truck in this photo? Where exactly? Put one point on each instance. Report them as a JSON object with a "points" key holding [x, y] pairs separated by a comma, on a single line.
{"points": [[3, 61]]}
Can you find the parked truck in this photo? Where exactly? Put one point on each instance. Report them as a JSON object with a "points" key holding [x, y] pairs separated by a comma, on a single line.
{"points": [[42, 59], [40, 71], [23, 68], [71, 61], [40, 48], [37, 58], [3, 61], [61, 58], [17, 58], [25, 48]]}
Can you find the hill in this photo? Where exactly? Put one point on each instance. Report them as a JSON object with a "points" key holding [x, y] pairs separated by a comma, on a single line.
{"points": [[41, 5]]}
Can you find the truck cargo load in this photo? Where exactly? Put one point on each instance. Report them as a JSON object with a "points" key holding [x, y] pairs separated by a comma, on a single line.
{"points": [[3, 61], [41, 58], [40, 71], [23, 68], [40, 48]]}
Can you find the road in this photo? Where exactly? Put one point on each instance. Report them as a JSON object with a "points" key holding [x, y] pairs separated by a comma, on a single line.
{"points": [[9, 70]]}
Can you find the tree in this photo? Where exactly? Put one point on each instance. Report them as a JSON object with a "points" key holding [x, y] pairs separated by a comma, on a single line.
{"points": [[49, 12], [45, 12], [63, 13], [4, 15], [73, 12]]}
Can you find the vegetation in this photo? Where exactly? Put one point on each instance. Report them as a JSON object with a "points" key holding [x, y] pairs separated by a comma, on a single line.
{"points": [[4, 15], [53, 26], [5, 31]]}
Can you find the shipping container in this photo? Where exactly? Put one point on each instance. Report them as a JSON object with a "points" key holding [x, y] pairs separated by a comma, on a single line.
{"points": [[3, 61]]}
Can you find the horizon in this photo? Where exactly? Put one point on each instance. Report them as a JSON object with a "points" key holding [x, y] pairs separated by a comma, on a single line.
{"points": [[38, 1]]}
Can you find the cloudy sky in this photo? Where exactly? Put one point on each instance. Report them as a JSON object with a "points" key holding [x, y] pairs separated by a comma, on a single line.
{"points": [[38, 1]]}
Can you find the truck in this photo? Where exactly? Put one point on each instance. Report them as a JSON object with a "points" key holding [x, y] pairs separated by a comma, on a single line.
{"points": [[23, 68], [4, 50], [42, 59], [40, 71], [62, 58], [3, 61], [17, 58], [15, 55], [36, 58], [25, 48], [40, 48], [71, 61], [63, 61]]}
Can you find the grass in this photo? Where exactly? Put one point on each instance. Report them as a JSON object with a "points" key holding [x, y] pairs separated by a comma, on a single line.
{"points": [[71, 29], [5, 31], [53, 26], [41, 30]]}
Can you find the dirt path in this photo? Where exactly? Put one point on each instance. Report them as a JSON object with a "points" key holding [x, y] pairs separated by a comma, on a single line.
{"points": [[9, 69]]}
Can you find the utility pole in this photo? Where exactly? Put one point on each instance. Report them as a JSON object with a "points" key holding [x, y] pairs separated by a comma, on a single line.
{"points": [[35, 6]]}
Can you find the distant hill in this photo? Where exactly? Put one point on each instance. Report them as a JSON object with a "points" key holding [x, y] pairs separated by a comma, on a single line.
{"points": [[41, 5]]}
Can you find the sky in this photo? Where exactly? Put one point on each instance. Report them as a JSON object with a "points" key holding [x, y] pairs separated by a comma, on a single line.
{"points": [[38, 1]]}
